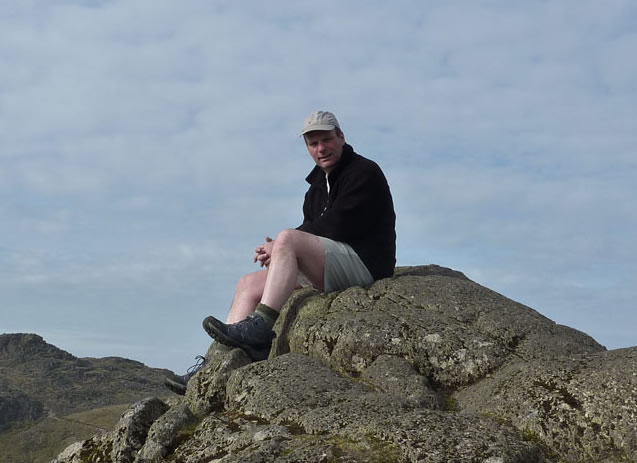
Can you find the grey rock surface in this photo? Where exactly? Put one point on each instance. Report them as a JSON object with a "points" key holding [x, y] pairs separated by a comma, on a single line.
{"points": [[583, 407], [395, 376], [166, 434], [206, 390], [426, 366], [71, 454], [124, 442], [450, 329], [131, 431], [310, 399]]}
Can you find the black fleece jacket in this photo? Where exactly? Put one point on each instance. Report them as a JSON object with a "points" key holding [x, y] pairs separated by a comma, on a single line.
{"points": [[359, 210]]}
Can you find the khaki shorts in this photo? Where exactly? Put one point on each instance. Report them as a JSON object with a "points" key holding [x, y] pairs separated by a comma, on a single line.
{"points": [[343, 268]]}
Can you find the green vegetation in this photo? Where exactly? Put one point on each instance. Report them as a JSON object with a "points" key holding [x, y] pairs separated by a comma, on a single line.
{"points": [[46, 393], [372, 450], [45, 439], [451, 404]]}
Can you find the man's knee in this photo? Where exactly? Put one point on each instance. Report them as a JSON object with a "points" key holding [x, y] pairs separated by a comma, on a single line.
{"points": [[287, 239], [250, 282], [304, 246]]}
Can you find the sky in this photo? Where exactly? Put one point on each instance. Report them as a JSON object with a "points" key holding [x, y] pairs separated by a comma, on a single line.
{"points": [[146, 149]]}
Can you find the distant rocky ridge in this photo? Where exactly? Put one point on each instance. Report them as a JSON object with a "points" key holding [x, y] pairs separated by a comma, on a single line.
{"points": [[426, 366], [37, 379]]}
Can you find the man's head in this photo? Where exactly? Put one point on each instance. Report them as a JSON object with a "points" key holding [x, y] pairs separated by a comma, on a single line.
{"points": [[324, 139]]}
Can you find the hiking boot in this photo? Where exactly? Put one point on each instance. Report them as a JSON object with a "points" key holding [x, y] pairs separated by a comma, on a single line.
{"points": [[252, 334], [179, 383]]}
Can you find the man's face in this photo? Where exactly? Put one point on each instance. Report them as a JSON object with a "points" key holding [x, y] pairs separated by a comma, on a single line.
{"points": [[325, 147]]}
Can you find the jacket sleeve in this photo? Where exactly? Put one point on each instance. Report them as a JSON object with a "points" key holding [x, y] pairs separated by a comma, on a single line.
{"points": [[351, 209]]}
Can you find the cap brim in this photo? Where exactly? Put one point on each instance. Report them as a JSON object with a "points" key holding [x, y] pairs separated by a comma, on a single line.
{"points": [[313, 128]]}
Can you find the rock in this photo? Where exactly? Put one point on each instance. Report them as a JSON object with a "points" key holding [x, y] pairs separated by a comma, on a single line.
{"points": [[426, 366], [71, 454], [451, 330], [131, 431], [583, 408], [395, 375], [206, 390], [305, 395], [229, 436], [122, 444], [436, 437], [310, 399], [166, 434], [25, 347], [428, 270]]}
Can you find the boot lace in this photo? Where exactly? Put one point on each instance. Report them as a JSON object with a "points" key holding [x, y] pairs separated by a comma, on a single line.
{"points": [[201, 360]]}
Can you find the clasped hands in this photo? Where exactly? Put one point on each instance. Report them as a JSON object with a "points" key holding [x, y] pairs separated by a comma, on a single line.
{"points": [[263, 252]]}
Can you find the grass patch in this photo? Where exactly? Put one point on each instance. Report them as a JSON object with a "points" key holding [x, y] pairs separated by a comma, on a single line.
{"points": [[372, 450], [47, 437]]}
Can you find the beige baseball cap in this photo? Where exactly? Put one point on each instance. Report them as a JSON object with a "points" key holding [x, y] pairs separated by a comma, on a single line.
{"points": [[320, 120]]}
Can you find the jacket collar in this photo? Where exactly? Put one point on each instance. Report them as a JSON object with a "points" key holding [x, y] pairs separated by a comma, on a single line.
{"points": [[318, 176]]}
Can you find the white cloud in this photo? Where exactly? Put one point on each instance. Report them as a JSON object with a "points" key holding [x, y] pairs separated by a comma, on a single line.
{"points": [[147, 148]]}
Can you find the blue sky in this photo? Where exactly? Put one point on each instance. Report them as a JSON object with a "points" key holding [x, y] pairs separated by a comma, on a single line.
{"points": [[148, 147]]}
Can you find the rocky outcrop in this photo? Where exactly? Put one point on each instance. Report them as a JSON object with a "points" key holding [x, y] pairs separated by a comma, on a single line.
{"points": [[21, 348], [166, 433], [207, 391], [426, 366], [124, 443], [584, 407]]}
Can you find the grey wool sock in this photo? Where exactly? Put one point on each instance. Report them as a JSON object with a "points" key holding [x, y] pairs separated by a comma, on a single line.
{"points": [[268, 314]]}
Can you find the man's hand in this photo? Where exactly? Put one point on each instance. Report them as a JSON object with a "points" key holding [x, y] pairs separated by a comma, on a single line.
{"points": [[263, 252]]}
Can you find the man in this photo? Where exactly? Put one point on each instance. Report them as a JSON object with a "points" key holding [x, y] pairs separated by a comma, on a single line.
{"points": [[347, 238]]}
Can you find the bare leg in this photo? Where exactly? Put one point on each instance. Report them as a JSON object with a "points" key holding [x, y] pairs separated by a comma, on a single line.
{"points": [[293, 251], [247, 295]]}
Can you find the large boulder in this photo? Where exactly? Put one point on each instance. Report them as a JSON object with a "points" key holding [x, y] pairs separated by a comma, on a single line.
{"points": [[124, 442], [206, 391], [293, 408], [583, 407], [426, 366], [166, 434], [450, 329]]}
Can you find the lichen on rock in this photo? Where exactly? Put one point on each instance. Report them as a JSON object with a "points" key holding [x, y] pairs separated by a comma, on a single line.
{"points": [[426, 366]]}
